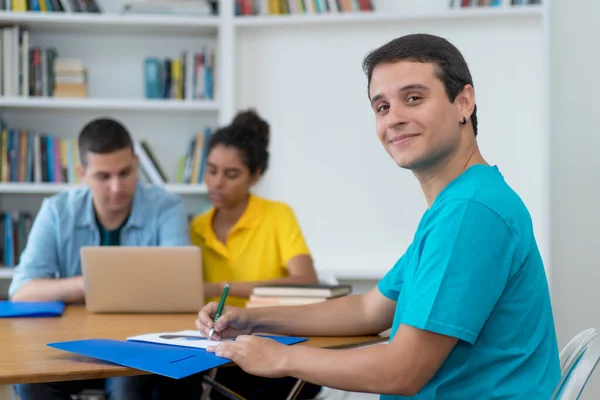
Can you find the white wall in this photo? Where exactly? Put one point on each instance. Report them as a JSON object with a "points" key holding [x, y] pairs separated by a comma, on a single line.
{"points": [[358, 210], [575, 65]]}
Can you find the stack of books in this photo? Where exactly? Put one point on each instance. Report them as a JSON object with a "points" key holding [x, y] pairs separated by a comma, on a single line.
{"points": [[293, 295], [70, 78]]}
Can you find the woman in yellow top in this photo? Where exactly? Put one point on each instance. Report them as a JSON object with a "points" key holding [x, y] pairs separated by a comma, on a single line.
{"points": [[247, 240]]}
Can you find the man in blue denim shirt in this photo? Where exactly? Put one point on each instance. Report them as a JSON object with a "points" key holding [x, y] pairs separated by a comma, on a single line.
{"points": [[112, 210]]}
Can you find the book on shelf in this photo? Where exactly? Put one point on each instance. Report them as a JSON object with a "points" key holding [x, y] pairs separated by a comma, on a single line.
{"points": [[69, 78], [37, 71], [283, 7], [490, 3], [295, 294], [14, 231], [190, 76], [190, 166], [45, 6]]}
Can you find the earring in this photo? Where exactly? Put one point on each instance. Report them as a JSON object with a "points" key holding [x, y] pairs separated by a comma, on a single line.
{"points": [[464, 121]]}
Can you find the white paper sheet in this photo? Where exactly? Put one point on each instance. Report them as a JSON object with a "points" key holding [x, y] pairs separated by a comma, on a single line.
{"points": [[182, 338]]}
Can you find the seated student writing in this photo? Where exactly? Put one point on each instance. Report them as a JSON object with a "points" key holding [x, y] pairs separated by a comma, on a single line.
{"points": [[245, 239], [467, 303], [112, 210]]}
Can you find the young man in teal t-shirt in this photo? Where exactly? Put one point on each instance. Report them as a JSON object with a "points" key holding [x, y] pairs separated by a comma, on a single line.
{"points": [[467, 303]]}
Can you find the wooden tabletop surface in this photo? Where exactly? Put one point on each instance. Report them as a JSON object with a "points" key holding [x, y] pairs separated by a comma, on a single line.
{"points": [[26, 358]]}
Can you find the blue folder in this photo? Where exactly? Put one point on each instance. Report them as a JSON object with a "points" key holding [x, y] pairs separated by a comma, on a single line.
{"points": [[161, 359], [12, 309]]}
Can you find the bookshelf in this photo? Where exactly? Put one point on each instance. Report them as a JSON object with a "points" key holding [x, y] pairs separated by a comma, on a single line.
{"points": [[253, 68]]}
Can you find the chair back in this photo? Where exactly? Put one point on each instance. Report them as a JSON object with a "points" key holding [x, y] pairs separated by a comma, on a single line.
{"points": [[577, 362], [567, 354]]}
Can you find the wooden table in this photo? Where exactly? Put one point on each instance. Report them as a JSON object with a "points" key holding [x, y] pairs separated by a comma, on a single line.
{"points": [[25, 357]]}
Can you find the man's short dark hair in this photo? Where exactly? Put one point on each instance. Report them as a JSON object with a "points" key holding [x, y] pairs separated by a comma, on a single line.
{"points": [[451, 67], [103, 136]]}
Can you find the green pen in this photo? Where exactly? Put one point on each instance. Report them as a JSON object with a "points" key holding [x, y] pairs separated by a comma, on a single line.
{"points": [[219, 309]]}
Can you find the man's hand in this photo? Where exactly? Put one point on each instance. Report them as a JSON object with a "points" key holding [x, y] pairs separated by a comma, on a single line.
{"points": [[255, 355], [233, 321]]}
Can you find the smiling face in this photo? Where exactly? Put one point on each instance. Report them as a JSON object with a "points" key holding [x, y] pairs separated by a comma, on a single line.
{"points": [[415, 121]]}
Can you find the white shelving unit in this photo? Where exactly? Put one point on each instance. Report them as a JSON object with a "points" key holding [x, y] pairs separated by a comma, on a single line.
{"points": [[6, 273], [256, 68], [106, 23]]}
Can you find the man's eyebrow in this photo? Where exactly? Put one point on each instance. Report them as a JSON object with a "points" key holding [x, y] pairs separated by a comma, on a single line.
{"points": [[412, 86]]}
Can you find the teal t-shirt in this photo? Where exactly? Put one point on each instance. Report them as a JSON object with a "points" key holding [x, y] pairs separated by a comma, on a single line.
{"points": [[474, 272], [110, 237]]}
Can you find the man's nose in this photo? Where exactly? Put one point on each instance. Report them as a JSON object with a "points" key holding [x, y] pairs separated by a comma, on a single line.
{"points": [[396, 116], [115, 184]]}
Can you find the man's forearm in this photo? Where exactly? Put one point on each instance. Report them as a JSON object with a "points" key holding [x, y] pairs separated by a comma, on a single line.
{"points": [[68, 290], [359, 370], [344, 316]]}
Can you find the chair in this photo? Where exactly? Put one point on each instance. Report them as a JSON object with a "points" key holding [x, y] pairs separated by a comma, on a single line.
{"points": [[567, 354], [577, 363]]}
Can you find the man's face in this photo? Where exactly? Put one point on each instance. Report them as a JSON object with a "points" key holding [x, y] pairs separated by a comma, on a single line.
{"points": [[416, 123], [112, 179]]}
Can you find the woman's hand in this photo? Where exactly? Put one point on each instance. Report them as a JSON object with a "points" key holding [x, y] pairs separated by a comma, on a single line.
{"points": [[213, 289]]}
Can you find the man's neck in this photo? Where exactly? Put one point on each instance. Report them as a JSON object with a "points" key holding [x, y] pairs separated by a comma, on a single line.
{"points": [[228, 216], [112, 220], [434, 179]]}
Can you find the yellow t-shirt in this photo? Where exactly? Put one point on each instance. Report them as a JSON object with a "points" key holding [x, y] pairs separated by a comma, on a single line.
{"points": [[258, 247]]}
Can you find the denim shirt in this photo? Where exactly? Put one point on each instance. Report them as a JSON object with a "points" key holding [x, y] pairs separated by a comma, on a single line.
{"points": [[66, 222]]}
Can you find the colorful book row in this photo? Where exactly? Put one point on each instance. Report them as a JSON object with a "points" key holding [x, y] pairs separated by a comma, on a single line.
{"points": [[279, 7], [14, 231], [190, 76], [50, 5], [27, 156]]}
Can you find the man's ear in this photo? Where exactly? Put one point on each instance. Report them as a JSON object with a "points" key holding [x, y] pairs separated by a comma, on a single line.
{"points": [[81, 172], [466, 101]]}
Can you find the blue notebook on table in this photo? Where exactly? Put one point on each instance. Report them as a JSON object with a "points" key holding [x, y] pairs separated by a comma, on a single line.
{"points": [[12, 309], [171, 360]]}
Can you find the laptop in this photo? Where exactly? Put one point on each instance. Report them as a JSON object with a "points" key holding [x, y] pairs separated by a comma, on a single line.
{"points": [[144, 279]]}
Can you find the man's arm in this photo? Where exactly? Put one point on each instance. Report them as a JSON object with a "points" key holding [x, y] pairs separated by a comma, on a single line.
{"points": [[367, 314], [467, 259], [68, 290], [401, 367], [300, 268], [172, 225], [35, 276]]}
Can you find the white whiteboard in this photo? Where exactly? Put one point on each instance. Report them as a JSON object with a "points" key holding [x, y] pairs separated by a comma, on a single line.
{"points": [[357, 209]]}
